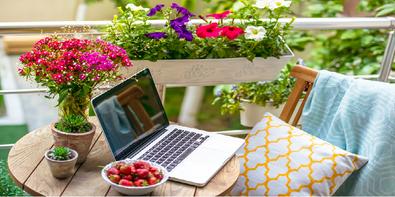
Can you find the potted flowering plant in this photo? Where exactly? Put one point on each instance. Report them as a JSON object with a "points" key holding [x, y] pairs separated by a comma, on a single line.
{"points": [[71, 69], [193, 50], [253, 99]]}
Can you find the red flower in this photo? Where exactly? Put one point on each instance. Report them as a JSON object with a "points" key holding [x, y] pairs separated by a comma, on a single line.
{"points": [[208, 31], [220, 16], [231, 32]]}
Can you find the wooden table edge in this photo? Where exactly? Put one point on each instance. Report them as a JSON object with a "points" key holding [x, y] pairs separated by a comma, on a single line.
{"points": [[22, 185]]}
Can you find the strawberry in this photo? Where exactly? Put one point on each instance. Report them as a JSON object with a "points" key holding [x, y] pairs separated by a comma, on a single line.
{"points": [[140, 183], [152, 181], [158, 175], [125, 182], [142, 173], [112, 171], [139, 164], [132, 170], [127, 177], [152, 169], [125, 169], [135, 178], [150, 175], [114, 178], [147, 166], [119, 164]]}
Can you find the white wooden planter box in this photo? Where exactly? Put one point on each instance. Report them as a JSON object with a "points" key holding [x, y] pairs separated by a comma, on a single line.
{"points": [[211, 71], [253, 113]]}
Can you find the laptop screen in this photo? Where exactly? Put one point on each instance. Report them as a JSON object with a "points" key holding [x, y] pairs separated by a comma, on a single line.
{"points": [[130, 111]]}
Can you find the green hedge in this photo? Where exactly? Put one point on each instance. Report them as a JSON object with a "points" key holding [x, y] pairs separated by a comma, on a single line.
{"points": [[7, 186]]}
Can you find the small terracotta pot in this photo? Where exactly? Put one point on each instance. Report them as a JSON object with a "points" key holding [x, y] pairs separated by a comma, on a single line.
{"points": [[62, 168], [79, 142]]}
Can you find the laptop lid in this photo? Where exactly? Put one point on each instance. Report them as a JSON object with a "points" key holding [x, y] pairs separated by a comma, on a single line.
{"points": [[129, 113]]}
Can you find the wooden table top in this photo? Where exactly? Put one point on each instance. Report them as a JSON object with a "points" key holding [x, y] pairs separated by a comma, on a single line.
{"points": [[30, 171]]}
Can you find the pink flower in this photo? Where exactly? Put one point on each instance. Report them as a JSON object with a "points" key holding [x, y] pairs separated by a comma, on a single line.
{"points": [[208, 31], [59, 80], [97, 77], [220, 16], [20, 70], [231, 32], [82, 76]]}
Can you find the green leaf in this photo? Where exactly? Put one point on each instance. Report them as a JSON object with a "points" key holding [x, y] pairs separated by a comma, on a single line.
{"points": [[369, 69], [349, 34], [62, 96], [385, 12], [85, 90], [226, 88], [366, 39], [215, 100], [391, 5], [316, 8]]}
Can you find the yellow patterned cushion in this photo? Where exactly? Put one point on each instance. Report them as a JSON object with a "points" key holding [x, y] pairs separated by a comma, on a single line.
{"points": [[279, 159]]}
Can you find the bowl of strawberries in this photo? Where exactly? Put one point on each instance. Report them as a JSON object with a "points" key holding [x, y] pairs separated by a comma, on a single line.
{"points": [[134, 177]]}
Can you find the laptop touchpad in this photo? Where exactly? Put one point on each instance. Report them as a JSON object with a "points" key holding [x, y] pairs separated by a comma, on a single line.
{"points": [[209, 156]]}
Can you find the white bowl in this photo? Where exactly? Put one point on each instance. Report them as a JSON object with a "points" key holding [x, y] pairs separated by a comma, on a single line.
{"points": [[135, 191]]}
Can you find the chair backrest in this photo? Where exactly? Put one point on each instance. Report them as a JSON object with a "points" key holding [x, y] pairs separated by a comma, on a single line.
{"points": [[304, 76]]}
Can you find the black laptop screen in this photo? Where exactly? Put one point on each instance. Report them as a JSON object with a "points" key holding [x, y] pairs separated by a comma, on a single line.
{"points": [[130, 111]]}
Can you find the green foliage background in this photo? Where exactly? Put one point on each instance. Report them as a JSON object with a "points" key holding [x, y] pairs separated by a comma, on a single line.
{"points": [[7, 186]]}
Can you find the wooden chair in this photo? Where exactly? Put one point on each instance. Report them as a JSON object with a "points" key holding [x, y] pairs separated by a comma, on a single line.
{"points": [[304, 76]]}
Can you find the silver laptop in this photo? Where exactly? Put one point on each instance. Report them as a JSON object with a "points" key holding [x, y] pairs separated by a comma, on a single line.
{"points": [[136, 127]]}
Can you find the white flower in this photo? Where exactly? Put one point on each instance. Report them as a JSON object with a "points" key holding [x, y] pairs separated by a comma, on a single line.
{"points": [[256, 33], [132, 7], [278, 3], [262, 3]]}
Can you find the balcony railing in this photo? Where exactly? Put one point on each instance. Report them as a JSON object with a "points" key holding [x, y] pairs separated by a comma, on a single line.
{"points": [[21, 28]]}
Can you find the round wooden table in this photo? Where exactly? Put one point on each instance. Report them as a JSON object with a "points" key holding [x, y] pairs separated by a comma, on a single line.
{"points": [[30, 171]]}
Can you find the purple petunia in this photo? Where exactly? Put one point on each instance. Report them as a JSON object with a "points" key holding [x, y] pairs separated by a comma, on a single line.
{"points": [[261, 82], [234, 86], [219, 93], [179, 21], [300, 61], [183, 32], [155, 9], [156, 35], [166, 51], [182, 10]]}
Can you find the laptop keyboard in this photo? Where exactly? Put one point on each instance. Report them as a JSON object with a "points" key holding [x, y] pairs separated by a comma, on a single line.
{"points": [[174, 148]]}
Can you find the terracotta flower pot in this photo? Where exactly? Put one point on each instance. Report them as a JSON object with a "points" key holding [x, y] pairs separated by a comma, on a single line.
{"points": [[79, 142], [62, 168]]}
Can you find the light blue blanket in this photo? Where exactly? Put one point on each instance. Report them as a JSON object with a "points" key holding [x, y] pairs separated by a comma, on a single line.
{"points": [[358, 116]]}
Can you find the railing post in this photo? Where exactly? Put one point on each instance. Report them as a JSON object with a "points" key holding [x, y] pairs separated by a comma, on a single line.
{"points": [[388, 58]]}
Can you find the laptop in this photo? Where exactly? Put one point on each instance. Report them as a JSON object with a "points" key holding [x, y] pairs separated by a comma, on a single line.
{"points": [[136, 127]]}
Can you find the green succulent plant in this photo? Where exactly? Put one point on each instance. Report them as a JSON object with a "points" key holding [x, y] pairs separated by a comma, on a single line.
{"points": [[60, 153], [73, 124]]}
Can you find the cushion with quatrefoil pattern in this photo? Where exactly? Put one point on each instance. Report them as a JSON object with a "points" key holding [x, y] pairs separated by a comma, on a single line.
{"points": [[278, 159]]}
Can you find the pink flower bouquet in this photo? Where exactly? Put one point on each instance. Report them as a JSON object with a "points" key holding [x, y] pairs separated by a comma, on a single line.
{"points": [[72, 68]]}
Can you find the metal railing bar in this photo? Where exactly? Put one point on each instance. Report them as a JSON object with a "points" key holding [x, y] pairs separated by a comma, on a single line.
{"points": [[388, 58], [299, 24], [4, 146], [28, 91], [366, 77], [23, 91]]}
